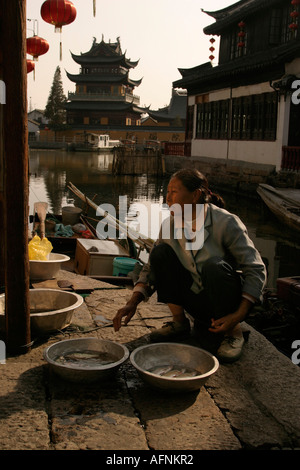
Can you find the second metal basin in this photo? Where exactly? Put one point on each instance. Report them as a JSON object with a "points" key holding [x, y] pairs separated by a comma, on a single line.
{"points": [[157, 364], [50, 309]]}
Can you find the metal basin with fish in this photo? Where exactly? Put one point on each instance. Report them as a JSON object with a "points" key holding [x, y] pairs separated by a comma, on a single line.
{"points": [[41, 270], [50, 309], [174, 366], [85, 359]]}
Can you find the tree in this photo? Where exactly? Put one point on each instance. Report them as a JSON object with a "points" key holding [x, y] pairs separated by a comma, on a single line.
{"points": [[55, 108]]}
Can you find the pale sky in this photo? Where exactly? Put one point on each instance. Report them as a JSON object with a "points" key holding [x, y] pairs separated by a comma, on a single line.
{"points": [[163, 34]]}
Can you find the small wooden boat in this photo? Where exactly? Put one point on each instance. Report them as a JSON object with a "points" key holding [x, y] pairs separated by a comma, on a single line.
{"points": [[284, 203], [141, 241], [69, 245], [45, 224]]}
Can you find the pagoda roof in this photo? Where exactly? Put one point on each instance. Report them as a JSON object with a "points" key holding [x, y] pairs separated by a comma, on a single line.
{"points": [[235, 13], [198, 70], [264, 65], [176, 108], [100, 78], [103, 106], [105, 53]]}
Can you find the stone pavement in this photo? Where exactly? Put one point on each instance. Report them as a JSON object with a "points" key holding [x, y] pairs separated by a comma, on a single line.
{"points": [[251, 404]]}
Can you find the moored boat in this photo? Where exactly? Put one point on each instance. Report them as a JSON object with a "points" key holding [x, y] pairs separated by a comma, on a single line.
{"points": [[70, 239], [284, 203], [95, 143]]}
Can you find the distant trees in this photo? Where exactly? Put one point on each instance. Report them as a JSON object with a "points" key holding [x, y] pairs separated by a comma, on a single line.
{"points": [[55, 108]]}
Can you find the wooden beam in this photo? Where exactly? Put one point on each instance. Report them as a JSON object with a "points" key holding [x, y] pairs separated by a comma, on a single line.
{"points": [[15, 198]]}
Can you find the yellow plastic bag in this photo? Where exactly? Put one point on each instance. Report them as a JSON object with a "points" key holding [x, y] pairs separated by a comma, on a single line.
{"points": [[39, 249]]}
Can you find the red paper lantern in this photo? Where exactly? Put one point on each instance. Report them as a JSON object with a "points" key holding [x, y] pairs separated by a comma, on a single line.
{"points": [[293, 26], [295, 2], [58, 12], [30, 65], [36, 46]]}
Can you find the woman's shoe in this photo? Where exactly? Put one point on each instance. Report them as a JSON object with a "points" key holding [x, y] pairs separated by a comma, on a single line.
{"points": [[231, 348], [171, 331]]}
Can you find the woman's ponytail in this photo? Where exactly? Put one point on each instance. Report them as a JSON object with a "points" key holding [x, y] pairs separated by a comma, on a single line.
{"points": [[217, 200], [193, 179]]}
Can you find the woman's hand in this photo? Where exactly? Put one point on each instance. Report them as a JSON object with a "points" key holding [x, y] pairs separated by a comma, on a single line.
{"points": [[127, 311], [227, 323], [224, 324]]}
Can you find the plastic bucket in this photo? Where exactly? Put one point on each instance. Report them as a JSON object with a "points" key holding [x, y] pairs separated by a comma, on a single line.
{"points": [[123, 266], [70, 215]]}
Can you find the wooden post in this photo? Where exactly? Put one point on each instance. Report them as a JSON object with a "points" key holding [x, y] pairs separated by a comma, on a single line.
{"points": [[14, 158], [2, 104]]}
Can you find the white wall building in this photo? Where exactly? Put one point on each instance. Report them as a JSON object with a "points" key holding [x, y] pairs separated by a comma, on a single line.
{"points": [[246, 109]]}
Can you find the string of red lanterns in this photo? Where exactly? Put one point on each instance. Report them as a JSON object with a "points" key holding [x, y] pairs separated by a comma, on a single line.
{"points": [[241, 34], [294, 15], [58, 13], [212, 49]]}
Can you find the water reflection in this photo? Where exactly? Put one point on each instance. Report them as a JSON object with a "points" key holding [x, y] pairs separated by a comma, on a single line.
{"points": [[91, 173]]}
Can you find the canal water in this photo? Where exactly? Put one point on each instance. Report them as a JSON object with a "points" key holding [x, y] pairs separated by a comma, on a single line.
{"points": [[52, 170]]}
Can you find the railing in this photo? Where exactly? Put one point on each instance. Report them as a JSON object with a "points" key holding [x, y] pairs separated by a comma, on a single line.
{"points": [[182, 149], [290, 158], [174, 148], [127, 97]]}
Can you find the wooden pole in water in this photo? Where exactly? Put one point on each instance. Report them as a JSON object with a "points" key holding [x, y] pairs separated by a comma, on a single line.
{"points": [[14, 192]]}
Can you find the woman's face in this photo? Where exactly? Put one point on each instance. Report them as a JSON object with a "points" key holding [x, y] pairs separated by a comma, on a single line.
{"points": [[177, 193]]}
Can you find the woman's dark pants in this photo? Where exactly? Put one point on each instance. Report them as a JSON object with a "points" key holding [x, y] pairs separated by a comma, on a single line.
{"points": [[222, 286]]}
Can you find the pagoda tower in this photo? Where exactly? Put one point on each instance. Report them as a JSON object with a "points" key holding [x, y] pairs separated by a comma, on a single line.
{"points": [[104, 96]]}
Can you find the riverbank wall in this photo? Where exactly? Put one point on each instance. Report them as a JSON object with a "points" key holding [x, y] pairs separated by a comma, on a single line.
{"points": [[235, 177], [48, 145]]}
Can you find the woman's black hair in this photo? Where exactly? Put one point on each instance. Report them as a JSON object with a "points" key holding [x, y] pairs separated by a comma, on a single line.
{"points": [[193, 179]]}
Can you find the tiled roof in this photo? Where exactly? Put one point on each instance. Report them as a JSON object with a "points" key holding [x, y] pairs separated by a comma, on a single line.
{"points": [[104, 53], [103, 106], [265, 65], [235, 13], [176, 108], [100, 78]]}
